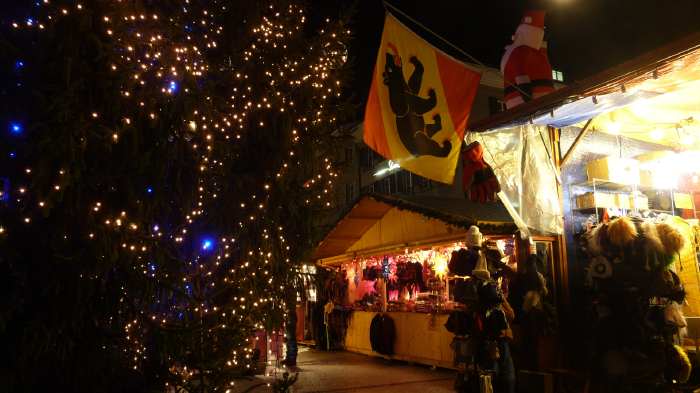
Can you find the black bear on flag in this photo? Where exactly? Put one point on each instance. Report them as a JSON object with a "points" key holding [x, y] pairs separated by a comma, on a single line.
{"points": [[409, 108], [418, 119]]}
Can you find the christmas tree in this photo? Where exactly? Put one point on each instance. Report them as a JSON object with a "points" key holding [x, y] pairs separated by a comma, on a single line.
{"points": [[162, 166]]}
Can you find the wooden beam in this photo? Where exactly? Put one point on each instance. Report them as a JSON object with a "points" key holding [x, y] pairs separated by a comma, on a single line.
{"points": [[578, 139]]}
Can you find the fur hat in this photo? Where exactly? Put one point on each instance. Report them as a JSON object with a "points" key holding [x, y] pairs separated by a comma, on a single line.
{"points": [[663, 238], [671, 238], [621, 231], [596, 238]]}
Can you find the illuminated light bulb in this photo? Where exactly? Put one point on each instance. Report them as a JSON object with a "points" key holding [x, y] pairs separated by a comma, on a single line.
{"points": [[16, 128], [614, 128], [207, 244], [193, 125], [656, 135]]}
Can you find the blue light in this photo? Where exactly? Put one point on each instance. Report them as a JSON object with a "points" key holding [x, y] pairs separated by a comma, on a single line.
{"points": [[156, 228], [149, 190], [152, 267], [12, 154], [172, 87], [19, 64], [30, 21], [16, 128], [207, 244]]}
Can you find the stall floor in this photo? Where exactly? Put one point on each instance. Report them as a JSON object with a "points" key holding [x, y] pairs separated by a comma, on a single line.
{"points": [[321, 371]]}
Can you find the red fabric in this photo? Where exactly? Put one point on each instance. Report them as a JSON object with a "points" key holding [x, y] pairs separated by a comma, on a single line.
{"points": [[530, 63], [536, 18], [460, 85], [374, 135], [478, 181]]}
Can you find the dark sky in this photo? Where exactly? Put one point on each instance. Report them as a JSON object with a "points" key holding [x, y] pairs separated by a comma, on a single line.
{"points": [[585, 36]]}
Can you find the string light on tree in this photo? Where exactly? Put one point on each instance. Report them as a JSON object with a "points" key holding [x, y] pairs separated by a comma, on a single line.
{"points": [[226, 134]]}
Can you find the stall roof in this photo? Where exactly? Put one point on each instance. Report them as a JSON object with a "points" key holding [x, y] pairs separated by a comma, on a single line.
{"points": [[616, 83], [371, 208]]}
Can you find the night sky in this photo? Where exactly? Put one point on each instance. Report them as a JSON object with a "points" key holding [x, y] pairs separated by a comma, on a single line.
{"points": [[585, 36]]}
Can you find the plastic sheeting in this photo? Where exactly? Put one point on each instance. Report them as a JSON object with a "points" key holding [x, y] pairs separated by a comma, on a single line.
{"points": [[521, 159], [589, 107]]}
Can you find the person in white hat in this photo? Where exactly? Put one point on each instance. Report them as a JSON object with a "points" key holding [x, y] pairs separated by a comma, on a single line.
{"points": [[475, 240]]}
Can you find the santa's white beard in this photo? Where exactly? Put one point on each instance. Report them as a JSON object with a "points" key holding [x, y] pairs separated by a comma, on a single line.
{"points": [[528, 35]]}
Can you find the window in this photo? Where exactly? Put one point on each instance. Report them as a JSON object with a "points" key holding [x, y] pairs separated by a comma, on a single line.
{"points": [[558, 76], [349, 193]]}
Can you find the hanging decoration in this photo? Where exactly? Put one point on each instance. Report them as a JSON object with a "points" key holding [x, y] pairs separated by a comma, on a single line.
{"points": [[419, 103]]}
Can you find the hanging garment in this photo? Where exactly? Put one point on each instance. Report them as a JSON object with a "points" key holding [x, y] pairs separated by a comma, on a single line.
{"points": [[465, 291], [463, 261], [462, 323], [382, 333]]}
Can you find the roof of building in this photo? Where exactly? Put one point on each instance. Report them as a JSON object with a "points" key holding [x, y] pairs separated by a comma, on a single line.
{"points": [[649, 65], [368, 209]]}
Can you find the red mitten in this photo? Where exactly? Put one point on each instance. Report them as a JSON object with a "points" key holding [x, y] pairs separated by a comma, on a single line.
{"points": [[473, 161], [478, 180]]}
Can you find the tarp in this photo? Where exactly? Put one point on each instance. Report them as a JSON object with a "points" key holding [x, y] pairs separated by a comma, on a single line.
{"points": [[522, 162]]}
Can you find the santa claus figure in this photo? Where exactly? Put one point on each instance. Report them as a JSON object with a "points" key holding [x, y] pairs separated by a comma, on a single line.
{"points": [[525, 66]]}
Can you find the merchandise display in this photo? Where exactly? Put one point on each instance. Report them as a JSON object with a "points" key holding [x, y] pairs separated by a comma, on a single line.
{"points": [[635, 301]]}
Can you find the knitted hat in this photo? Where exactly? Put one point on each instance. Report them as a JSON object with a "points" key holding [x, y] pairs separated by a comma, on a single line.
{"points": [[474, 237]]}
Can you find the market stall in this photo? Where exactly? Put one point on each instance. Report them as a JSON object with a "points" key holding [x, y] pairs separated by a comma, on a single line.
{"points": [[392, 257], [625, 146]]}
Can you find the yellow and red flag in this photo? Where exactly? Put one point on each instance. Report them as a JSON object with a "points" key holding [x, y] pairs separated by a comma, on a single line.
{"points": [[418, 104]]}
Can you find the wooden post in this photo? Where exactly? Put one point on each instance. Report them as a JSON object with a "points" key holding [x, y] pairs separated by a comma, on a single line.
{"points": [[578, 139], [562, 272]]}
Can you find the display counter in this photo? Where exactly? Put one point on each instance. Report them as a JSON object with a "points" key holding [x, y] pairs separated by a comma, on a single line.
{"points": [[420, 337]]}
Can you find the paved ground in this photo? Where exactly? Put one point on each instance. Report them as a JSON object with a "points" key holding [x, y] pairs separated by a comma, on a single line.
{"points": [[345, 372]]}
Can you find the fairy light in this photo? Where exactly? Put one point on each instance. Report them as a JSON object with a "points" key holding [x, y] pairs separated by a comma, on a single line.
{"points": [[156, 59]]}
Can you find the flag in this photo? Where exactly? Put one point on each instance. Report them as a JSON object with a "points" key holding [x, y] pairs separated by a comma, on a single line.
{"points": [[419, 104]]}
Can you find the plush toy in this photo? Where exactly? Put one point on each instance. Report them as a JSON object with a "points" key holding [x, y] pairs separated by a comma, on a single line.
{"points": [[527, 73], [478, 180]]}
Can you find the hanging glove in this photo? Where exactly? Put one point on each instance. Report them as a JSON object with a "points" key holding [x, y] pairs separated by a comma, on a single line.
{"points": [[478, 180]]}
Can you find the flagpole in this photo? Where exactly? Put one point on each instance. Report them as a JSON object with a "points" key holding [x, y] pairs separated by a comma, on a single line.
{"points": [[460, 50]]}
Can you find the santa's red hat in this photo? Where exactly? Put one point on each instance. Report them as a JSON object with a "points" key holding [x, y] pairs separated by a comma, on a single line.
{"points": [[534, 19]]}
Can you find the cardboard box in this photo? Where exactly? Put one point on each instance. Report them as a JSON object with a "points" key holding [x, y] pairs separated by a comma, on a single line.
{"points": [[591, 200], [646, 166], [639, 201], [618, 170], [622, 201], [682, 200]]}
